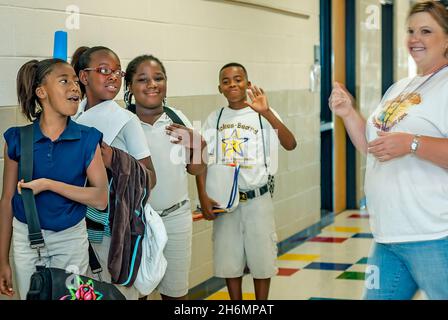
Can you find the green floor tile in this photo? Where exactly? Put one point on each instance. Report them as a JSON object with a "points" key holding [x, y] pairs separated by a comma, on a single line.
{"points": [[362, 261], [352, 276]]}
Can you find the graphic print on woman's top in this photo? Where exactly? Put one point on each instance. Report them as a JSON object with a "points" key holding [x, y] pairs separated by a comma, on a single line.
{"points": [[169, 162], [396, 109], [420, 213], [240, 141]]}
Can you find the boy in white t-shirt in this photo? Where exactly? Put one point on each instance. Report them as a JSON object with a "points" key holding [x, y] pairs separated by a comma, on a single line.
{"points": [[245, 237]]}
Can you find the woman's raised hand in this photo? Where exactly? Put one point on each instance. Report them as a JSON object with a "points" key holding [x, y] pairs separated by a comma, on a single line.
{"points": [[341, 102]]}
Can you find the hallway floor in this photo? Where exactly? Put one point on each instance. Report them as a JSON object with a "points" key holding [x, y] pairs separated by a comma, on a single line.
{"points": [[329, 266]]}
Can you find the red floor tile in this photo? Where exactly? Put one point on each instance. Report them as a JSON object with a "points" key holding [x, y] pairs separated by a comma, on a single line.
{"points": [[359, 216], [286, 272], [329, 240]]}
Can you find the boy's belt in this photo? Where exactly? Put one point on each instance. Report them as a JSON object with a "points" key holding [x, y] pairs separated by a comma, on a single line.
{"points": [[171, 209], [247, 195]]}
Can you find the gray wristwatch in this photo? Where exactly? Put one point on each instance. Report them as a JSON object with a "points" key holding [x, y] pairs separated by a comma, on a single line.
{"points": [[415, 143]]}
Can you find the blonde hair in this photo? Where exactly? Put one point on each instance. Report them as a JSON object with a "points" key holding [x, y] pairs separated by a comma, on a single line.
{"points": [[437, 11]]}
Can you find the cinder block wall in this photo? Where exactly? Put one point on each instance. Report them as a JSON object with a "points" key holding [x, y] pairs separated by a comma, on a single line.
{"points": [[194, 38]]}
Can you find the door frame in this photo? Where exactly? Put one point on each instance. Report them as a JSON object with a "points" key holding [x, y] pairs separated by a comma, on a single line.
{"points": [[326, 117]]}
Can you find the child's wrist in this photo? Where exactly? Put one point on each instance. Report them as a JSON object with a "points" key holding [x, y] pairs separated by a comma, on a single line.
{"points": [[48, 185], [198, 146], [267, 114], [202, 195]]}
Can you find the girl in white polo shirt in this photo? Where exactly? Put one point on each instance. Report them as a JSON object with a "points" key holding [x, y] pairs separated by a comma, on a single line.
{"points": [[100, 74], [176, 150]]}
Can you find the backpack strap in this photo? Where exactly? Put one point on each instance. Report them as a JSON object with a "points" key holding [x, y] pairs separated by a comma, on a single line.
{"points": [[217, 134], [173, 115], [169, 112], [26, 171], [95, 265], [263, 140]]}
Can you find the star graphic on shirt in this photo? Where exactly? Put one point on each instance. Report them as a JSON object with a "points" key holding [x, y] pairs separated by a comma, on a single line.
{"points": [[233, 144]]}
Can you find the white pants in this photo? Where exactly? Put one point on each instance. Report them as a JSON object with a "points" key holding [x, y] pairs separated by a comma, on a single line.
{"points": [[67, 249], [179, 228]]}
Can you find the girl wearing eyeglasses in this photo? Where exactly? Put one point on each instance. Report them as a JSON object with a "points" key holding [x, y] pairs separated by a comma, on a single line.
{"points": [[100, 74]]}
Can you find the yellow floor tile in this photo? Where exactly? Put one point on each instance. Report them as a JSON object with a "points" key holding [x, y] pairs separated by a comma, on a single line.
{"points": [[299, 257], [225, 296], [248, 296], [219, 296], [343, 229]]}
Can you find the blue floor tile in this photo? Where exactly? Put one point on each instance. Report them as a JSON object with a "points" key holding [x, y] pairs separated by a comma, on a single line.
{"points": [[363, 236], [328, 266]]}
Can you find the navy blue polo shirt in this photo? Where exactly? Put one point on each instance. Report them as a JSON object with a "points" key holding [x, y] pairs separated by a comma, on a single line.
{"points": [[65, 159]]}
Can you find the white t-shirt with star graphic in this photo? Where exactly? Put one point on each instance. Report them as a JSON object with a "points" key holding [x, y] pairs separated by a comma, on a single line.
{"points": [[240, 140], [407, 197]]}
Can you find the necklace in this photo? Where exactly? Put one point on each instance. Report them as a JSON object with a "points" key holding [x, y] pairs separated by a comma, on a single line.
{"points": [[389, 116]]}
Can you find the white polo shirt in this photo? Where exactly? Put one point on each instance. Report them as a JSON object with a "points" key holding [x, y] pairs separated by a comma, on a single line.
{"points": [[169, 162], [120, 128]]}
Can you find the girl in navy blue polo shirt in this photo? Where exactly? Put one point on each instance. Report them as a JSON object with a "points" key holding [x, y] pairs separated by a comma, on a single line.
{"points": [[65, 154]]}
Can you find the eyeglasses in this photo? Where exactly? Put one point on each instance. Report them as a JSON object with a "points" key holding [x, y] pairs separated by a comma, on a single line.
{"points": [[107, 71]]}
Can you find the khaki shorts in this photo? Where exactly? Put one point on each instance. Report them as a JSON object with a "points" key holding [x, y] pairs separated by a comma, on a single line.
{"points": [[67, 249], [179, 227], [246, 237]]}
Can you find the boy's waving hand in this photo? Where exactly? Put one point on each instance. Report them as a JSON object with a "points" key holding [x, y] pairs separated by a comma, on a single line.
{"points": [[259, 100]]}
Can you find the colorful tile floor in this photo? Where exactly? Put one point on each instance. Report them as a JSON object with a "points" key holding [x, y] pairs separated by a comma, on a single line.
{"points": [[330, 265]]}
